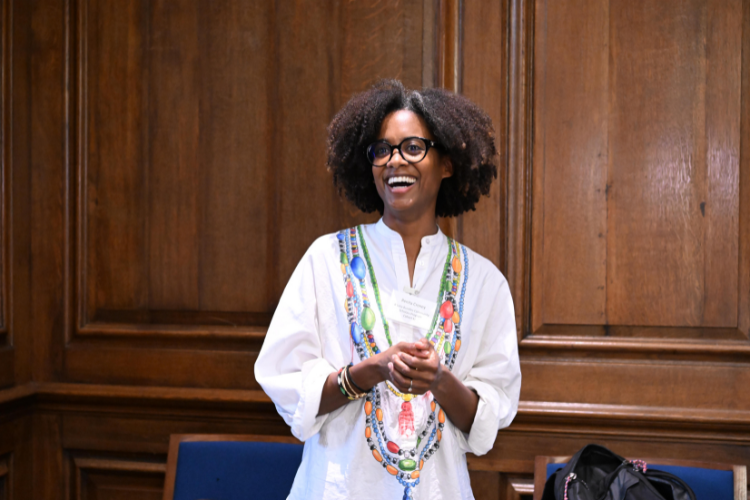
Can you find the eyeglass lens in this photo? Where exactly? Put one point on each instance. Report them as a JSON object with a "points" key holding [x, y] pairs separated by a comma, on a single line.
{"points": [[412, 150]]}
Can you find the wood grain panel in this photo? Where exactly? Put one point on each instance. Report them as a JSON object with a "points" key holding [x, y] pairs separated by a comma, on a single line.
{"points": [[681, 384], [7, 367], [570, 163], [485, 81], [6, 97], [98, 478], [202, 151], [674, 150], [492, 485], [46, 213], [636, 187], [744, 181], [118, 364]]}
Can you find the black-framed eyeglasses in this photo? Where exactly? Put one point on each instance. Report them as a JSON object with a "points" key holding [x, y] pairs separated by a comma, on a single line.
{"points": [[411, 149]]}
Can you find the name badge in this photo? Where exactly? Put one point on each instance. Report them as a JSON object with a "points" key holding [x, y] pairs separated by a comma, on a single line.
{"points": [[411, 310]]}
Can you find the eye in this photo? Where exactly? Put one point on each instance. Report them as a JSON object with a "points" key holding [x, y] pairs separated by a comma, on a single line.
{"points": [[414, 147], [381, 150]]}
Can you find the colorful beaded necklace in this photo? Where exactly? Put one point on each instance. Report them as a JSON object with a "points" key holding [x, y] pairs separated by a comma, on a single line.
{"points": [[402, 464]]}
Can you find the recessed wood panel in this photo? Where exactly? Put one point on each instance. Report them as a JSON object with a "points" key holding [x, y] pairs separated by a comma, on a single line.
{"points": [[636, 169], [485, 77], [201, 153], [5, 474], [6, 96], [106, 478]]}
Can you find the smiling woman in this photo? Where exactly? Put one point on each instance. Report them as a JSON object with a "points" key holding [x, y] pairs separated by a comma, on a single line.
{"points": [[436, 370]]}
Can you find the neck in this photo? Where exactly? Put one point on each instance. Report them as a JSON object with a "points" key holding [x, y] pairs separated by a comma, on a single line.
{"points": [[412, 229]]}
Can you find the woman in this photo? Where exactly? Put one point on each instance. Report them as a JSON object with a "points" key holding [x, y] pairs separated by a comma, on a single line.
{"points": [[393, 349]]}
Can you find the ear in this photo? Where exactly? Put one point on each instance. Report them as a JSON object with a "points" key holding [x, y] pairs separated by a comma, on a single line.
{"points": [[447, 165]]}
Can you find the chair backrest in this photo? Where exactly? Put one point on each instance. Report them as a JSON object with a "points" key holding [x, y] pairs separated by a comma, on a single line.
{"points": [[229, 467], [708, 480]]}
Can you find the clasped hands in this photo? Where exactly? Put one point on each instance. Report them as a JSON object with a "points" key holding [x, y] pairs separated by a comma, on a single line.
{"points": [[413, 367]]}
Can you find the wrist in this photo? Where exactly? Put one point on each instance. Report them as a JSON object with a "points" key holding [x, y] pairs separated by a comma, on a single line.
{"points": [[368, 373]]}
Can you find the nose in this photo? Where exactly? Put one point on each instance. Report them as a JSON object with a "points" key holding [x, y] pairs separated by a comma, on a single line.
{"points": [[392, 162]]}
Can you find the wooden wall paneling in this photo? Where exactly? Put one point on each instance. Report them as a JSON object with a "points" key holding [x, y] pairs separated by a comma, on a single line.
{"points": [[49, 224], [519, 147], [667, 166], [744, 180], [493, 485], [47, 453], [187, 233], [18, 156], [5, 478], [484, 60], [15, 453], [570, 159], [664, 171], [670, 195], [7, 368], [6, 72], [97, 477]]}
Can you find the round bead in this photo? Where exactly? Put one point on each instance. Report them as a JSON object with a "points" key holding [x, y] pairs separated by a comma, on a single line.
{"points": [[377, 455], [415, 474], [356, 332], [456, 318], [446, 310], [391, 469], [392, 447], [448, 326], [447, 348], [441, 416], [456, 265], [358, 267], [368, 408], [379, 414], [368, 319], [407, 464], [340, 236], [349, 289]]}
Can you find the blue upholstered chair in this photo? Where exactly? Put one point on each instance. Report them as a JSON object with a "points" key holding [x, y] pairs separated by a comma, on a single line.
{"points": [[709, 481], [229, 467]]}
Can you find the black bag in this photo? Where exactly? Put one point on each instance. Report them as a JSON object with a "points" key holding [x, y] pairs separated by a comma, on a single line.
{"points": [[595, 473]]}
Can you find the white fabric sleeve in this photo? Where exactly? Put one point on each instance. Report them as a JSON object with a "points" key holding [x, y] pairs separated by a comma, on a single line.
{"points": [[290, 366], [495, 376]]}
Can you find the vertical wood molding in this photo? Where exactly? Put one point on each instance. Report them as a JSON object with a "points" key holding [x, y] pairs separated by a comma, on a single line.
{"points": [[449, 74], [6, 151], [520, 125]]}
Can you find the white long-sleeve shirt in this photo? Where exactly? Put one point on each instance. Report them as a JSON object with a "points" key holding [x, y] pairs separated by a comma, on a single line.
{"points": [[309, 337]]}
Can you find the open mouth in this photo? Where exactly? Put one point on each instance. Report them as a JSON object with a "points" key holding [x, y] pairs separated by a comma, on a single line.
{"points": [[401, 182]]}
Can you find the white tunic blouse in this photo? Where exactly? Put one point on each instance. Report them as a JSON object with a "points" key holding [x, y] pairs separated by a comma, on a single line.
{"points": [[309, 337]]}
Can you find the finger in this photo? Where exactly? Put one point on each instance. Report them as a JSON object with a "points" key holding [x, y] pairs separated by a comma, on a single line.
{"points": [[401, 382], [424, 366], [409, 347], [402, 368]]}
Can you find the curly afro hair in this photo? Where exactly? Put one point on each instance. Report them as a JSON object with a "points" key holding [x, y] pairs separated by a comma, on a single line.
{"points": [[462, 129]]}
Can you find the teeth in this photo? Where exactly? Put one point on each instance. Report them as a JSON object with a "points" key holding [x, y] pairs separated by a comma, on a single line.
{"points": [[401, 179]]}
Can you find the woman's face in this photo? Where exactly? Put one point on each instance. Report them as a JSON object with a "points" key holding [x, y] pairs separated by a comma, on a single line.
{"points": [[415, 193]]}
